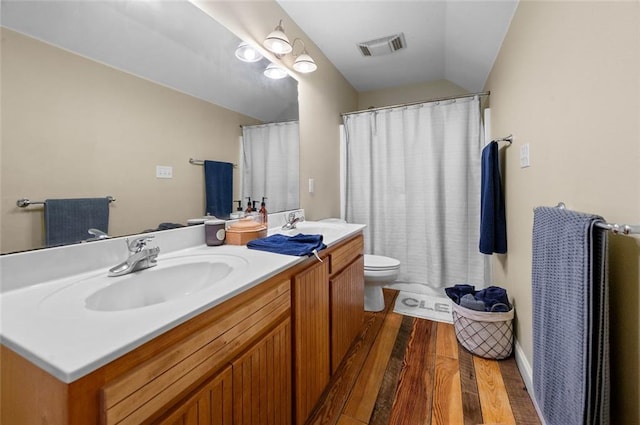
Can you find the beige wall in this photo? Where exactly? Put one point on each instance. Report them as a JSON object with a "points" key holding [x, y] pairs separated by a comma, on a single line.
{"points": [[567, 82], [408, 94], [323, 95], [74, 128]]}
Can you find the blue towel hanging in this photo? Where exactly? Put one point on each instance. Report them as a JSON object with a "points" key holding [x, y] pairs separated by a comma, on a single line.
{"points": [[299, 244], [493, 223], [218, 177], [69, 220]]}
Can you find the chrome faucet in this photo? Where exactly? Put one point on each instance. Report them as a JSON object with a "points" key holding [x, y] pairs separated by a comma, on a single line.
{"points": [[140, 257], [292, 221], [96, 235]]}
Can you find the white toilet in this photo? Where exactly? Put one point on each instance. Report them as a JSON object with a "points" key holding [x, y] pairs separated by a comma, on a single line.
{"points": [[378, 272]]}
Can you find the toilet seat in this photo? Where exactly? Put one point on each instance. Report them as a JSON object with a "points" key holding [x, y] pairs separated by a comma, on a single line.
{"points": [[380, 263]]}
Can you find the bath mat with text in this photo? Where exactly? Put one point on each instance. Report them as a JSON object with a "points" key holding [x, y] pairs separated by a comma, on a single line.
{"points": [[424, 306]]}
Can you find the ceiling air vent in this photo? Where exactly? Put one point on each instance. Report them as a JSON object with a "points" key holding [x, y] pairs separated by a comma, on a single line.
{"points": [[382, 46]]}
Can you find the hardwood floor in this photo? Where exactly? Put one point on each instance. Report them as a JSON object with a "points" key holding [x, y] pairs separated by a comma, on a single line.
{"points": [[404, 370]]}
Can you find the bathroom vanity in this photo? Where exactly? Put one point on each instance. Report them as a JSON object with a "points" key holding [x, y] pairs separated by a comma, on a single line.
{"points": [[259, 349]]}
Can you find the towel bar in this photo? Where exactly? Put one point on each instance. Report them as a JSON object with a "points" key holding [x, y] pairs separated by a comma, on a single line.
{"points": [[23, 203], [508, 139], [614, 228], [201, 162]]}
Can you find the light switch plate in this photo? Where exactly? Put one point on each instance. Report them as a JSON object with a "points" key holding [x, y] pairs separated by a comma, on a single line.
{"points": [[524, 156], [312, 185], [164, 171]]}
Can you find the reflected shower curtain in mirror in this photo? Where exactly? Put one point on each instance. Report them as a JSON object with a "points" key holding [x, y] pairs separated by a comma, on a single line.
{"points": [[270, 157], [413, 177]]}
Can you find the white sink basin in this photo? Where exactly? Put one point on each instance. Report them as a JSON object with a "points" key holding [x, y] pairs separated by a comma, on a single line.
{"points": [[172, 279], [157, 285]]}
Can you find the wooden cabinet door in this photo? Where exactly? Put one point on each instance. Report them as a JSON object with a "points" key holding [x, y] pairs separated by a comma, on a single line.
{"points": [[262, 380], [311, 337], [347, 309], [211, 404]]}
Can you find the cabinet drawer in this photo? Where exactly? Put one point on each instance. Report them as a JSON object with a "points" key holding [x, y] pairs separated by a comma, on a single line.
{"points": [[142, 392], [343, 255]]}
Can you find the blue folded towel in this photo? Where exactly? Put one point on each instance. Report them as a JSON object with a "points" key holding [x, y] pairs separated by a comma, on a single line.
{"points": [[470, 302], [456, 292], [494, 298], [299, 244]]}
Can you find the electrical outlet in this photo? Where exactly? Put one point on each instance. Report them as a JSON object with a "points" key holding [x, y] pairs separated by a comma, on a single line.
{"points": [[164, 171]]}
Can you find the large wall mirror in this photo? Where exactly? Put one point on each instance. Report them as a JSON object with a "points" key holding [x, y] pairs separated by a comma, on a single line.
{"points": [[96, 95]]}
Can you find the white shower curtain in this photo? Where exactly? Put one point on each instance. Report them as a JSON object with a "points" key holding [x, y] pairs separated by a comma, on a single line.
{"points": [[270, 157], [413, 176]]}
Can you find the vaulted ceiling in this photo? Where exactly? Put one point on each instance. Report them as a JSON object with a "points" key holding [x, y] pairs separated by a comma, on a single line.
{"points": [[454, 40], [175, 44]]}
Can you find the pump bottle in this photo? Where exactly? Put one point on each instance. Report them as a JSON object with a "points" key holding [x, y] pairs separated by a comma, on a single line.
{"points": [[263, 212]]}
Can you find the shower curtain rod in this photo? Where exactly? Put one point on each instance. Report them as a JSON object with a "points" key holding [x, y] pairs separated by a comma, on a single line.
{"points": [[267, 123], [439, 99]]}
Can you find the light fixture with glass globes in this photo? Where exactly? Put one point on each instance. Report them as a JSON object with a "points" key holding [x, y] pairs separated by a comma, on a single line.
{"points": [[247, 53], [278, 43], [303, 63], [275, 72]]}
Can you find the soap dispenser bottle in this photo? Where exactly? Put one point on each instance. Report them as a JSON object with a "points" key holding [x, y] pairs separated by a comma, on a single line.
{"points": [[263, 211], [239, 213], [249, 208]]}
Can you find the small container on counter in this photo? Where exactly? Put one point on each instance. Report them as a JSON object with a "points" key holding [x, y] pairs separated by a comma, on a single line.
{"points": [[245, 230], [214, 232]]}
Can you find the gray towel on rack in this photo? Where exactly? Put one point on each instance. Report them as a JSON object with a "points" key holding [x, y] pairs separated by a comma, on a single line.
{"points": [[69, 220], [570, 317]]}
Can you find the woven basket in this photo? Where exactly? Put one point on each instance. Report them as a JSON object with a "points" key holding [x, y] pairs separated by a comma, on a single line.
{"points": [[485, 334]]}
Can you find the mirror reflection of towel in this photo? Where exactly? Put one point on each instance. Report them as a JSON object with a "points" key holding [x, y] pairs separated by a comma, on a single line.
{"points": [[69, 220], [218, 178]]}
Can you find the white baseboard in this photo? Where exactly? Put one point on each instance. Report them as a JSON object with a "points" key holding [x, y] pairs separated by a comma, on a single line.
{"points": [[526, 371]]}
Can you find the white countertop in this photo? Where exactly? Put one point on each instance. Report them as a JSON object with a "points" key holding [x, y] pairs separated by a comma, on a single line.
{"points": [[57, 333]]}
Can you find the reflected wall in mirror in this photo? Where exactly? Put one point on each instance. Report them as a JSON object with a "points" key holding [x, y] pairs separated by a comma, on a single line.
{"points": [[95, 95]]}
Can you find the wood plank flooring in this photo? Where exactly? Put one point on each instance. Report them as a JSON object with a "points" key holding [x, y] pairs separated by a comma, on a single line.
{"points": [[409, 371]]}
